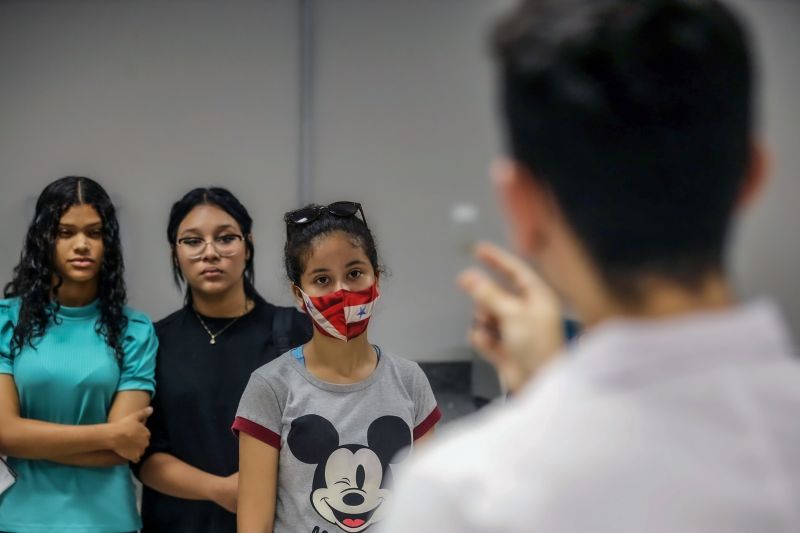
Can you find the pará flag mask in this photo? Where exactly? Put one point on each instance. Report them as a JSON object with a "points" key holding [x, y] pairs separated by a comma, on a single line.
{"points": [[343, 314]]}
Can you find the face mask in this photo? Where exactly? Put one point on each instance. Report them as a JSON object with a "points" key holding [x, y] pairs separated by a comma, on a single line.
{"points": [[343, 314]]}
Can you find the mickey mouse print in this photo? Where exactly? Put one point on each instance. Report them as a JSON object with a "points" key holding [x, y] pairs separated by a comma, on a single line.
{"points": [[349, 487], [337, 443]]}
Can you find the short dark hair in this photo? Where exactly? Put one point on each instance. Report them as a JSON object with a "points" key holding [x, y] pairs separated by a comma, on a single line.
{"points": [[225, 200], [300, 241], [637, 115]]}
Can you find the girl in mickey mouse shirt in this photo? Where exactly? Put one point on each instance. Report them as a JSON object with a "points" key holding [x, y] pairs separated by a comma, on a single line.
{"points": [[321, 425]]}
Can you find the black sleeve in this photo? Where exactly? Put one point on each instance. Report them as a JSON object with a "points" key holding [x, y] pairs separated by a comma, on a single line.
{"points": [[159, 439], [301, 329]]}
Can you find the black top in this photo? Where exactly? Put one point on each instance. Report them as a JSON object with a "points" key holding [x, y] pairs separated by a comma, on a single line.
{"points": [[198, 387]]}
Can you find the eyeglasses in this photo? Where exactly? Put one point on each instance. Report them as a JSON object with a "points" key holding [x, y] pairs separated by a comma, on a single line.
{"points": [[226, 245], [307, 215]]}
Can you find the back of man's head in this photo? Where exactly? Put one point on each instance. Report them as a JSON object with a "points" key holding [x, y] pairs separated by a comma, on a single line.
{"points": [[636, 114]]}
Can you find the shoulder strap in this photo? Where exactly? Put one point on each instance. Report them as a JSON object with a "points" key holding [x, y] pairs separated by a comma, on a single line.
{"points": [[281, 326]]}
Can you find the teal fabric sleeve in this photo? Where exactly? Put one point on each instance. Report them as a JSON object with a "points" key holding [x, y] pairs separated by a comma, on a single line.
{"points": [[140, 345], [8, 315]]}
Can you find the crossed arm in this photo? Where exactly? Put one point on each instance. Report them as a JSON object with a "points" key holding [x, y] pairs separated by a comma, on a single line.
{"points": [[122, 438], [169, 475]]}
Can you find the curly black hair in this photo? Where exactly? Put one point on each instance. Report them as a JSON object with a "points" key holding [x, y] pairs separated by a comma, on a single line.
{"points": [[33, 276]]}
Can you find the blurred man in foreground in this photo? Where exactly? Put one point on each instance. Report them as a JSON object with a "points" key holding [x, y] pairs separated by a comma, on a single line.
{"points": [[629, 128]]}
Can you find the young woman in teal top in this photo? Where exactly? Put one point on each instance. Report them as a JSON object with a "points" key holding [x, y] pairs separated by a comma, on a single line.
{"points": [[76, 371]]}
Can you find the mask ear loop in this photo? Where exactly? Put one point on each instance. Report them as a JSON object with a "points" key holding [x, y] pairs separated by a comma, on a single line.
{"points": [[303, 297]]}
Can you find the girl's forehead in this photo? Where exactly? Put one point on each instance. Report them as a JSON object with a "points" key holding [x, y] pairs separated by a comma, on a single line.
{"points": [[207, 217], [335, 247], [80, 214]]}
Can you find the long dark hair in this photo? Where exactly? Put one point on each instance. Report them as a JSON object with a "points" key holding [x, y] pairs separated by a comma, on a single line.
{"points": [[32, 282], [225, 200]]}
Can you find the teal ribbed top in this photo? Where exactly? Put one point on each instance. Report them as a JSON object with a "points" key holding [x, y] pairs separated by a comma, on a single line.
{"points": [[71, 377]]}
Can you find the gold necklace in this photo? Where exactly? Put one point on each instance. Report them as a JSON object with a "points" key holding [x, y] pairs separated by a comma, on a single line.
{"points": [[226, 326]]}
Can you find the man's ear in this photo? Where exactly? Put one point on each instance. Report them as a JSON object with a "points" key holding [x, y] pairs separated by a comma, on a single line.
{"points": [[298, 297], [526, 203], [758, 170]]}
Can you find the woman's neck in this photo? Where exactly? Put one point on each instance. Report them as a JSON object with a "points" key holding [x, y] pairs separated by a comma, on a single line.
{"points": [[341, 362], [75, 294], [229, 304]]}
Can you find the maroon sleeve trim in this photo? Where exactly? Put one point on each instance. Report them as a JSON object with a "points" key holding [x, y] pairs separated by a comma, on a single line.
{"points": [[257, 431], [427, 424]]}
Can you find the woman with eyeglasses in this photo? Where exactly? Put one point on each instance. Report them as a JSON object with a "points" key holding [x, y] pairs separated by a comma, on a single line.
{"points": [[76, 370], [208, 349], [320, 426]]}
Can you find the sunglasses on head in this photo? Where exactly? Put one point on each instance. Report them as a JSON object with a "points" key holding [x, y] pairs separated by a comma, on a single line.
{"points": [[306, 215]]}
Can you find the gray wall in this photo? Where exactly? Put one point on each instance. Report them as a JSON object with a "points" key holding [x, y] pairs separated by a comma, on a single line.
{"points": [[406, 125], [155, 97], [766, 255], [151, 98]]}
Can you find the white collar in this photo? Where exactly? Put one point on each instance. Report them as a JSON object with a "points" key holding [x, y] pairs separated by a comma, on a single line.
{"points": [[634, 350]]}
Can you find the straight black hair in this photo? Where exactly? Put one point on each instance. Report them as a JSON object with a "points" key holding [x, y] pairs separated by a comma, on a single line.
{"points": [[225, 200]]}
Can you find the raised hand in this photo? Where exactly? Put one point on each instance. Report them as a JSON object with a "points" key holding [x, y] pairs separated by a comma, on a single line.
{"points": [[517, 324]]}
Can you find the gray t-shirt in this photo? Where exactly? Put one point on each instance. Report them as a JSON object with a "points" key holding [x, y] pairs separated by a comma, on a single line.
{"points": [[336, 441]]}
